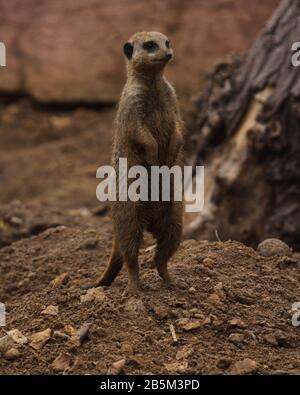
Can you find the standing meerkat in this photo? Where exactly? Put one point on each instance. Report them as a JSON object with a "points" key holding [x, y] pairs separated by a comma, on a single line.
{"points": [[148, 133]]}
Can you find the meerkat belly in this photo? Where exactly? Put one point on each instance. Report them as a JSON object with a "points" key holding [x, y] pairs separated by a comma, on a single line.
{"points": [[162, 126]]}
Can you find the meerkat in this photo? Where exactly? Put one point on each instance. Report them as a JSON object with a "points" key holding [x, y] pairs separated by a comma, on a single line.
{"points": [[148, 132]]}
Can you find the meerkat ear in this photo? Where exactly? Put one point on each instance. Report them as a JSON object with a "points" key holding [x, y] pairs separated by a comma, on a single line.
{"points": [[128, 50]]}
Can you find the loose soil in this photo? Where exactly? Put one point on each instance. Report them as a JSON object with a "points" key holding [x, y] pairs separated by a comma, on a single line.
{"points": [[228, 304]]}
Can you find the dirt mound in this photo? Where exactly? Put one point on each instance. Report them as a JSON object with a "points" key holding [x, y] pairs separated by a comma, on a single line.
{"points": [[231, 308]]}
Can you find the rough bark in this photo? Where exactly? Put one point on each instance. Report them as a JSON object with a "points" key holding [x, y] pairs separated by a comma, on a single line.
{"points": [[248, 138]]}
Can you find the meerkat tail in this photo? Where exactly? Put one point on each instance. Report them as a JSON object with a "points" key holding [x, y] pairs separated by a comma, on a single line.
{"points": [[113, 268]]}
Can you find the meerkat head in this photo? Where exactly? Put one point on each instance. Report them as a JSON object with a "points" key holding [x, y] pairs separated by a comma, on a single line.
{"points": [[148, 50]]}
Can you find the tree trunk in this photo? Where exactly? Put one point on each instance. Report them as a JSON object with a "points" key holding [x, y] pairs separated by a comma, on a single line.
{"points": [[247, 136]]}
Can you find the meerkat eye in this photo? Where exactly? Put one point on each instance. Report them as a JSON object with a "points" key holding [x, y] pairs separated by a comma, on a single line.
{"points": [[168, 44], [150, 45]]}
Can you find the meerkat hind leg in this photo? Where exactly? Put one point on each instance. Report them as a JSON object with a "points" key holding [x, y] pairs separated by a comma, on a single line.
{"points": [[168, 240], [130, 245], [133, 287]]}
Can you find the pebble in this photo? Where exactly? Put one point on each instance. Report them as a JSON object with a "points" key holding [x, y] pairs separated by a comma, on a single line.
{"points": [[285, 262], [189, 324], [127, 348], [60, 280], [274, 247], [16, 221], [39, 339], [237, 323], [135, 307], [17, 336], [161, 312], [177, 367], [246, 366], [117, 367], [271, 339], [236, 338], [184, 353], [93, 294], [89, 244], [5, 343], [62, 363], [50, 310], [12, 354], [214, 299], [208, 262], [224, 363]]}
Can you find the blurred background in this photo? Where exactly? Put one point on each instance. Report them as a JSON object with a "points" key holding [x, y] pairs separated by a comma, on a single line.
{"points": [[64, 74], [71, 51]]}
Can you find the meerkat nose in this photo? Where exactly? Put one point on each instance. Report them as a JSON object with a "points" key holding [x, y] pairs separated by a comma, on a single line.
{"points": [[168, 56]]}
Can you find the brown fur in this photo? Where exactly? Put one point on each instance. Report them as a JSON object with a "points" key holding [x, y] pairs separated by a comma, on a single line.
{"points": [[148, 132]]}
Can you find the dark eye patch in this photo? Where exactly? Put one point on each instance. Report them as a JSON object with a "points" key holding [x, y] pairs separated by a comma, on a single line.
{"points": [[150, 45], [168, 44]]}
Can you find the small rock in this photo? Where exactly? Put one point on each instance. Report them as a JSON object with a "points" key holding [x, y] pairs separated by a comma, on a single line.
{"points": [[39, 339], [285, 339], [206, 321], [199, 316], [179, 303], [188, 324], [84, 331], [117, 367], [62, 363], [236, 338], [93, 294], [135, 362], [246, 366], [60, 280], [161, 312], [184, 353], [219, 290], [70, 331], [274, 247], [50, 310], [176, 367], [214, 299], [237, 323], [217, 323], [60, 335], [271, 339], [208, 262], [224, 363], [16, 221], [6, 342], [127, 348], [89, 244], [12, 354], [219, 287], [60, 122], [279, 373], [192, 290], [135, 307], [17, 336], [285, 262]]}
